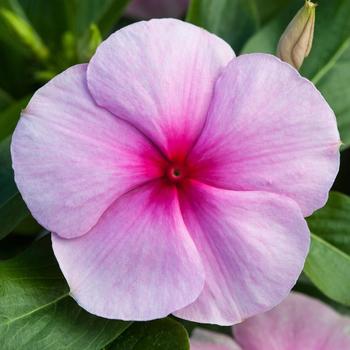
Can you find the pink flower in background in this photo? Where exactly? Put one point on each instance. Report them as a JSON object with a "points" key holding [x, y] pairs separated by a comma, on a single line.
{"points": [[299, 322], [174, 176], [145, 9]]}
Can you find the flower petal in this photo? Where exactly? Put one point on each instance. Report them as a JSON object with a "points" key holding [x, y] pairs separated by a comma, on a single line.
{"points": [[159, 75], [253, 246], [269, 129], [202, 339], [299, 322], [72, 159], [138, 262]]}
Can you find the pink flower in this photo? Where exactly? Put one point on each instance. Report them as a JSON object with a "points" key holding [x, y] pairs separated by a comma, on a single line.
{"points": [[299, 322], [174, 176], [146, 9]]}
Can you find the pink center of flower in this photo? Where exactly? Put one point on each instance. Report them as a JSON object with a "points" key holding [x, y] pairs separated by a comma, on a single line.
{"points": [[176, 172]]}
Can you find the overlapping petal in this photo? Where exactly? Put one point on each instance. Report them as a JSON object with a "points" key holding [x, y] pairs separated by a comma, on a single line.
{"points": [[72, 159], [299, 322], [138, 263], [253, 246], [159, 75], [269, 129]]}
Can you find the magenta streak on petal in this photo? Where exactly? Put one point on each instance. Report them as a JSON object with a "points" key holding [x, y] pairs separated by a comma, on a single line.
{"points": [[268, 129], [162, 82], [72, 159], [139, 262]]}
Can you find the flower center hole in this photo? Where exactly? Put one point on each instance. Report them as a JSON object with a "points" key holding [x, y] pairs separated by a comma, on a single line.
{"points": [[176, 172]]}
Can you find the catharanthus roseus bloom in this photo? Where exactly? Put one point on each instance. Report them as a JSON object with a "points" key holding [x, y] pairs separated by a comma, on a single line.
{"points": [[299, 322], [156, 8], [174, 176]]}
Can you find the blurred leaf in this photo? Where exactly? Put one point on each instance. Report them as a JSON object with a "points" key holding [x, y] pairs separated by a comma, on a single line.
{"points": [[28, 227], [104, 13], [14, 6], [329, 269], [49, 18], [15, 79], [165, 334], [44, 76], [332, 222], [9, 117], [328, 65], [267, 9], [12, 245], [6, 32], [18, 59], [69, 45], [24, 34], [12, 208], [5, 100], [232, 20], [88, 45], [36, 311]]}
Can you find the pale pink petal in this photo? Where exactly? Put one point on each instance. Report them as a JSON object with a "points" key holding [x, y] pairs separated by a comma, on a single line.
{"points": [[202, 339], [299, 322], [253, 246], [72, 159], [146, 9], [138, 263], [269, 129], [159, 75]]}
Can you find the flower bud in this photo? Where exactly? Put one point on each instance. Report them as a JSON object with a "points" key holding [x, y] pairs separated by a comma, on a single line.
{"points": [[296, 41]]}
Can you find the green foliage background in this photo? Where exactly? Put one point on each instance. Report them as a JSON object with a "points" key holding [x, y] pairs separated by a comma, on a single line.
{"points": [[39, 39]]}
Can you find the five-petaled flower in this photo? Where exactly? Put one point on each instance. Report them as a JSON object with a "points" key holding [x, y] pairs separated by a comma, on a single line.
{"points": [[174, 176], [298, 323]]}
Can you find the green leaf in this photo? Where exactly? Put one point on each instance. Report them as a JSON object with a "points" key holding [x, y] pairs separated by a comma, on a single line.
{"points": [[328, 65], [232, 20], [332, 222], [328, 262], [36, 311], [9, 117], [329, 269], [12, 208], [166, 334]]}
